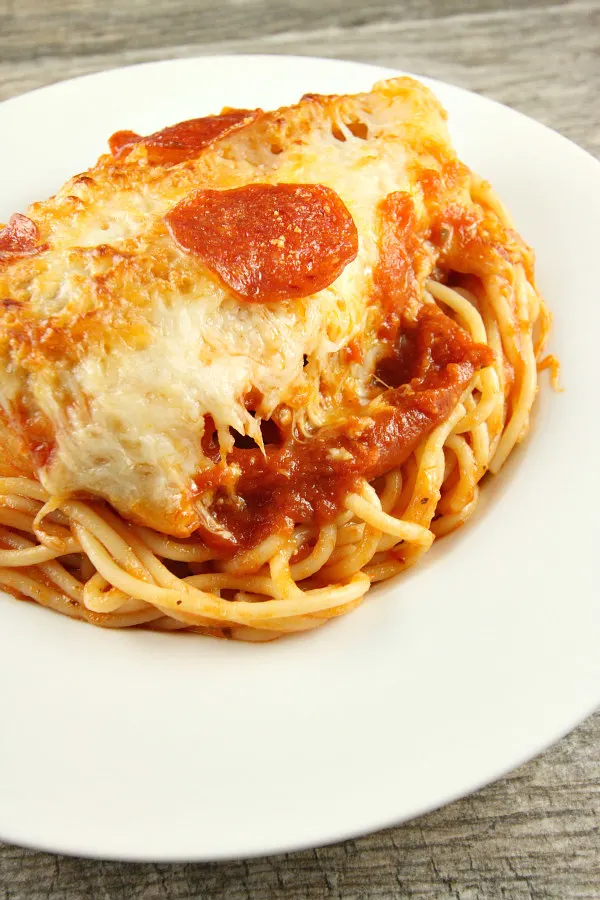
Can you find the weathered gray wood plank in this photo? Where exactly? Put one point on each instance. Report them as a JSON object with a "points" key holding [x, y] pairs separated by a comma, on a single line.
{"points": [[534, 835], [83, 26]]}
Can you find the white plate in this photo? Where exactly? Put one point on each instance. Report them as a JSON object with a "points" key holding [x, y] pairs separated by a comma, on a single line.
{"points": [[154, 747]]}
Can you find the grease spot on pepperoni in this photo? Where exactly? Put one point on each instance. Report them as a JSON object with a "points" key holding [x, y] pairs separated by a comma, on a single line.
{"points": [[268, 242], [182, 141], [19, 238]]}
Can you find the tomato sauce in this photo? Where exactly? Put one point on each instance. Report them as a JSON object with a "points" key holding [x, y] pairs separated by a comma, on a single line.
{"points": [[306, 481]]}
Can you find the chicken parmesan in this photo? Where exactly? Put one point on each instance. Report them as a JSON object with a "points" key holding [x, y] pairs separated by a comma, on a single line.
{"points": [[254, 362]]}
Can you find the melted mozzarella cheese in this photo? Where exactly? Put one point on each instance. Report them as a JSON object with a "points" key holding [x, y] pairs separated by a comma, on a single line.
{"points": [[127, 345]]}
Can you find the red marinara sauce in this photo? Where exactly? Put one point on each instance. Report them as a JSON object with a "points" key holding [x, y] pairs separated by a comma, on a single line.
{"points": [[268, 242], [305, 481], [19, 238], [402, 252], [182, 141]]}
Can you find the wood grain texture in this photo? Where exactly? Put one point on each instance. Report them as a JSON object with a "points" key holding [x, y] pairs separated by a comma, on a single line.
{"points": [[534, 835]]}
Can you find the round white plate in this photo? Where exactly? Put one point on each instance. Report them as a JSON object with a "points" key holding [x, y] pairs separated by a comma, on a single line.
{"points": [[145, 746]]}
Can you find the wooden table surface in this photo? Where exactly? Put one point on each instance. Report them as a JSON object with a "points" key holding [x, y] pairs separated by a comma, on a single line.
{"points": [[536, 833]]}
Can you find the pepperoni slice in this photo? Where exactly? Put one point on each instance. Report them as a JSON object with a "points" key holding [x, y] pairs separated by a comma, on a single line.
{"points": [[19, 238], [121, 142], [268, 242], [181, 141]]}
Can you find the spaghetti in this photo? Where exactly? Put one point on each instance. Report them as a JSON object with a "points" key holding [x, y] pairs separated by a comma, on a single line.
{"points": [[81, 558]]}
